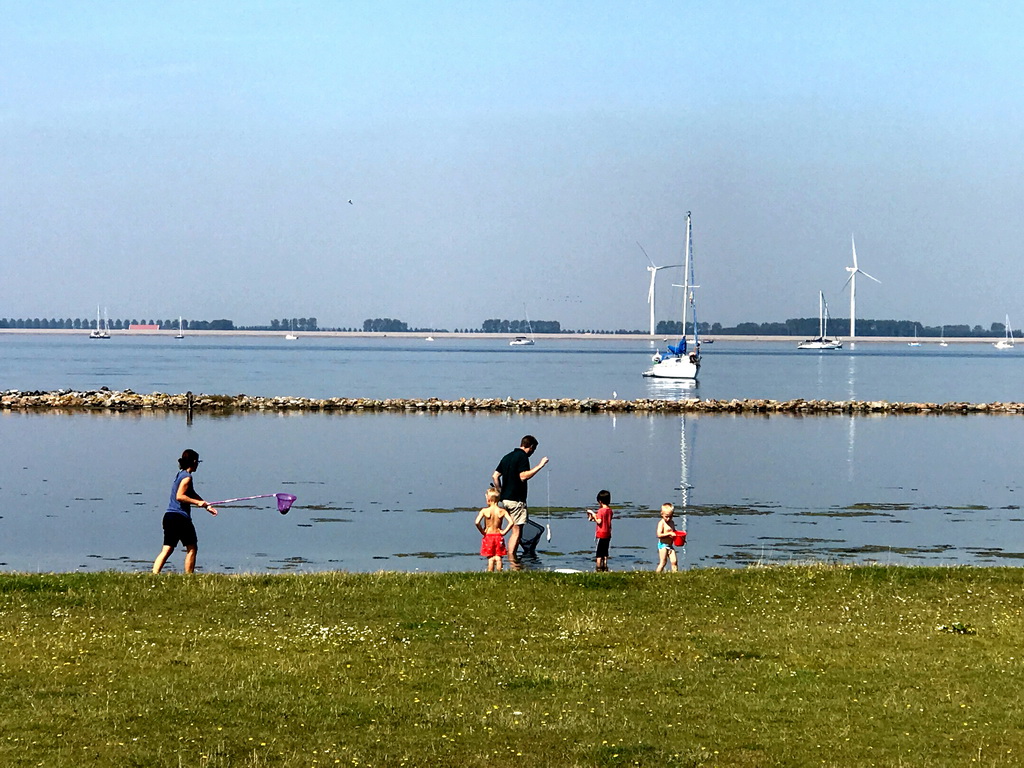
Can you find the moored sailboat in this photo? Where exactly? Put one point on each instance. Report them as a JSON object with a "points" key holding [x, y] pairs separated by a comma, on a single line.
{"points": [[100, 331], [1007, 341], [822, 342], [681, 363]]}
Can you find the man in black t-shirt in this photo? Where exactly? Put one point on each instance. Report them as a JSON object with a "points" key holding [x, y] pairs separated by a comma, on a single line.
{"points": [[510, 478]]}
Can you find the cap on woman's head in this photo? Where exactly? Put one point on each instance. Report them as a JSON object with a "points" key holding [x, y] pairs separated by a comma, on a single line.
{"points": [[189, 458]]}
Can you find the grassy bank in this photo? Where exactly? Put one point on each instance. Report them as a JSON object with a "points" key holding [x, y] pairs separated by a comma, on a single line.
{"points": [[783, 666]]}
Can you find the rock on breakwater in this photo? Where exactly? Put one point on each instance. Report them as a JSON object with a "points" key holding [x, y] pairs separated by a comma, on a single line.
{"points": [[127, 400]]}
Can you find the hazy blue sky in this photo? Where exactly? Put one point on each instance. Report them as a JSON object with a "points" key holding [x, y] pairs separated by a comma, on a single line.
{"points": [[197, 158]]}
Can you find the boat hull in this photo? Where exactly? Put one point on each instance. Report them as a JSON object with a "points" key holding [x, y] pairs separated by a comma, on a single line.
{"points": [[820, 344], [674, 368]]}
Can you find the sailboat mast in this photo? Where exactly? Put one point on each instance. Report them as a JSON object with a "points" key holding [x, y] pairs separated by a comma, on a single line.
{"points": [[821, 314], [686, 272]]}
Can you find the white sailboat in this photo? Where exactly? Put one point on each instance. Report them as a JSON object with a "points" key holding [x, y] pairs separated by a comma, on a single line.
{"points": [[181, 333], [942, 338], [524, 341], [822, 342], [290, 336], [915, 342], [1007, 341], [680, 363], [100, 331]]}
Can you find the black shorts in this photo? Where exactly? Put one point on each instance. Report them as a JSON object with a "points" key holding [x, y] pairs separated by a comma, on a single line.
{"points": [[602, 547], [179, 528]]}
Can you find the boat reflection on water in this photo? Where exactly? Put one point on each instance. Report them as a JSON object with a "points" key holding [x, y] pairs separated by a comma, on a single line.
{"points": [[671, 389], [684, 488]]}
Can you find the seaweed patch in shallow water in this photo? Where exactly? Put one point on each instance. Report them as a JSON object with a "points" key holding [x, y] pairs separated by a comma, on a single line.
{"points": [[431, 555], [844, 513], [879, 507], [1000, 553], [875, 549], [726, 511]]}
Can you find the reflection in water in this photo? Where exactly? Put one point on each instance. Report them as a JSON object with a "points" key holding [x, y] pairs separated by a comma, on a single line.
{"points": [[851, 379], [671, 389], [684, 483]]}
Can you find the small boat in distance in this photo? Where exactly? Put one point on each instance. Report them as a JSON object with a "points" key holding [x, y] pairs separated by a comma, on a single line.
{"points": [[1007, 341], [181, 333], [915, 342], [524, 341], [100, 331], [822, 342], [290, 336], [942, 338]]}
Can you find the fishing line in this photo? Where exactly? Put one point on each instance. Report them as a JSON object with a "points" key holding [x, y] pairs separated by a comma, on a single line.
{"points": [[547, 476]]}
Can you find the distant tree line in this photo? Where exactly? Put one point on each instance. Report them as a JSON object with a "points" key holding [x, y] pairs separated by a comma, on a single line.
{"points": [[838, 326], [521, 326], [85, 324], [293, 324], [802, 327], [384, 325]]}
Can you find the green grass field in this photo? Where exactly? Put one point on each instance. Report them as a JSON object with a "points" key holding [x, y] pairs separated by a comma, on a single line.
{"points": [[784, 666]]}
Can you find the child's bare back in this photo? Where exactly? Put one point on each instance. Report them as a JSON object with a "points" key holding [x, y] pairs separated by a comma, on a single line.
{"points": [[493, 515]]}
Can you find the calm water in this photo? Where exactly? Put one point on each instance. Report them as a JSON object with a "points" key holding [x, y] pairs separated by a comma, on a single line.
{"points": [[399, 492], [490, 368]]}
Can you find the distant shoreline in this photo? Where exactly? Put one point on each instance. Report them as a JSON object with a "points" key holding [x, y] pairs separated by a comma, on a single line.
{"points": [[586, 337]]}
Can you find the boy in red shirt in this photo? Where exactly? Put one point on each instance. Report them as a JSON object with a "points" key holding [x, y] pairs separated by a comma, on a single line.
{"points": [[603, 518]]}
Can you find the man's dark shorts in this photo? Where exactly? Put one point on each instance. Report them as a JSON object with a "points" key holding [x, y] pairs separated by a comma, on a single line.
{"points": [[602, 547], [179, 528]]}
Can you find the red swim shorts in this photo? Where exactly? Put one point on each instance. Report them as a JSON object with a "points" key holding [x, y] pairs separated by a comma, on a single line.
{"points": [[493, 545]]}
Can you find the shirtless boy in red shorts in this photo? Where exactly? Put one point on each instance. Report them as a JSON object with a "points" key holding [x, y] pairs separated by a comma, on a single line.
{"points": [[489, 522]]}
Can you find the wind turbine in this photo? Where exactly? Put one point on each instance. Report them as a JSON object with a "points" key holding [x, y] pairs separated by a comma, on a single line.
{"points": [[852, 281], [654, 274]]}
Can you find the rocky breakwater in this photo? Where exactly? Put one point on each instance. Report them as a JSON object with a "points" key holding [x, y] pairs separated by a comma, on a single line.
{"points": [[126, 400]]}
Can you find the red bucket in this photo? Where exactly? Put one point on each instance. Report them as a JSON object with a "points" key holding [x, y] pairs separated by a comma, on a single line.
{"points": [[680, 539]]}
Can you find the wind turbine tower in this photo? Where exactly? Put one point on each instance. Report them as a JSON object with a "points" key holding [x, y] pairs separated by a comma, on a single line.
{"points": [[852, 281], [654, 275]]}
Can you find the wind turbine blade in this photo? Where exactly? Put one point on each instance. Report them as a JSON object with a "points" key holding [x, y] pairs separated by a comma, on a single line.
{"points": [[645, 254], [847, 281], [869, 276], [669, 266], [853, 246]]}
